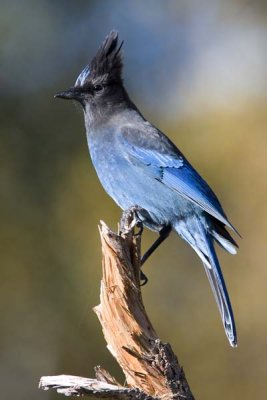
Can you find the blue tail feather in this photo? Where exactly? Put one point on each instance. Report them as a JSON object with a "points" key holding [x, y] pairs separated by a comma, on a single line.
{"points": [[195, 233], [215, 276]]}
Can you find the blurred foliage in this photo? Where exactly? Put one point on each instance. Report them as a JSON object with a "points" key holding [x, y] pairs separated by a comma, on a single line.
{"points": [[52, 201]]}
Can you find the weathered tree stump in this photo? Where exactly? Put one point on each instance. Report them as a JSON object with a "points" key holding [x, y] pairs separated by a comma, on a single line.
{"points": [[150, 366]]}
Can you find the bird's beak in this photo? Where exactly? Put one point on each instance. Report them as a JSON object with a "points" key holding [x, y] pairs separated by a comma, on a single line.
{"points": [[69, 94]]}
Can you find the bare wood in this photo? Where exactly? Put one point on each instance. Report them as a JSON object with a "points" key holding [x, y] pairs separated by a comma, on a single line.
{"points": [[147, 363], [151, 368], [76, 386]]}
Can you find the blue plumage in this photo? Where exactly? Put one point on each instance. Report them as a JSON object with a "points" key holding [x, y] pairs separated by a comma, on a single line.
{"points": [[139, 166]]}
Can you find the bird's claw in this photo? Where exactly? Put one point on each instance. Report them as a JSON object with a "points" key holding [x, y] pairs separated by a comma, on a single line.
{"points": [[140, 226], [143, 279], [130, 220]]}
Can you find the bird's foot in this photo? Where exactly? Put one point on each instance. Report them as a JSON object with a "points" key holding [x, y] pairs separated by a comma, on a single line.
{"points": [[143, 278], [129, 220], [140, 226]]}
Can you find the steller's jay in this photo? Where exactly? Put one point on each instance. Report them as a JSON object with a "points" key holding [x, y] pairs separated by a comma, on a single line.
{"points": [[141, 168]]}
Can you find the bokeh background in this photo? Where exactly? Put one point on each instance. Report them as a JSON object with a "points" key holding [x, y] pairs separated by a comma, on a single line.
{"points": [[197, 69]]}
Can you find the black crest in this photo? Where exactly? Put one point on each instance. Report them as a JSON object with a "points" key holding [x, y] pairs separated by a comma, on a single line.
{"points": [[108, 59], [106, 64]]}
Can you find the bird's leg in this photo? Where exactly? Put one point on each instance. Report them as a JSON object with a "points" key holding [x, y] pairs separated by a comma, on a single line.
{"points": [[131, 214], [163, 234]]}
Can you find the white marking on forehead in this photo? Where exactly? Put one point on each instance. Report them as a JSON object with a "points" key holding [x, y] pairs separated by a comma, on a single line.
{"points": [[82, 77]]}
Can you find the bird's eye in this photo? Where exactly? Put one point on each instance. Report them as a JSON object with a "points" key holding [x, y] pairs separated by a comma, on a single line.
{"points": [[98, 88]]}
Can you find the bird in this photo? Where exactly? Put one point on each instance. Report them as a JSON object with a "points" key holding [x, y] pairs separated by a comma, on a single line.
{"points": [[142, 169]]}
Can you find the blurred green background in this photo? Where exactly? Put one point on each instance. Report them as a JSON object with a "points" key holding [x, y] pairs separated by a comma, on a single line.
{"points": [[197, 70]]}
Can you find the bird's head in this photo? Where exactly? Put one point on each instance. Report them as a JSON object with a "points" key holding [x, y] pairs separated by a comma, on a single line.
{"points": [[100, 82]]}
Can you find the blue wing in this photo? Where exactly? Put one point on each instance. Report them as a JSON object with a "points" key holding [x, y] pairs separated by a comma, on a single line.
{"points": [[160, 158]]}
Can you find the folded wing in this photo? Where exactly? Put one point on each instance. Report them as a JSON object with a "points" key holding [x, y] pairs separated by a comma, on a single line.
{"points": [[159, 157]]}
